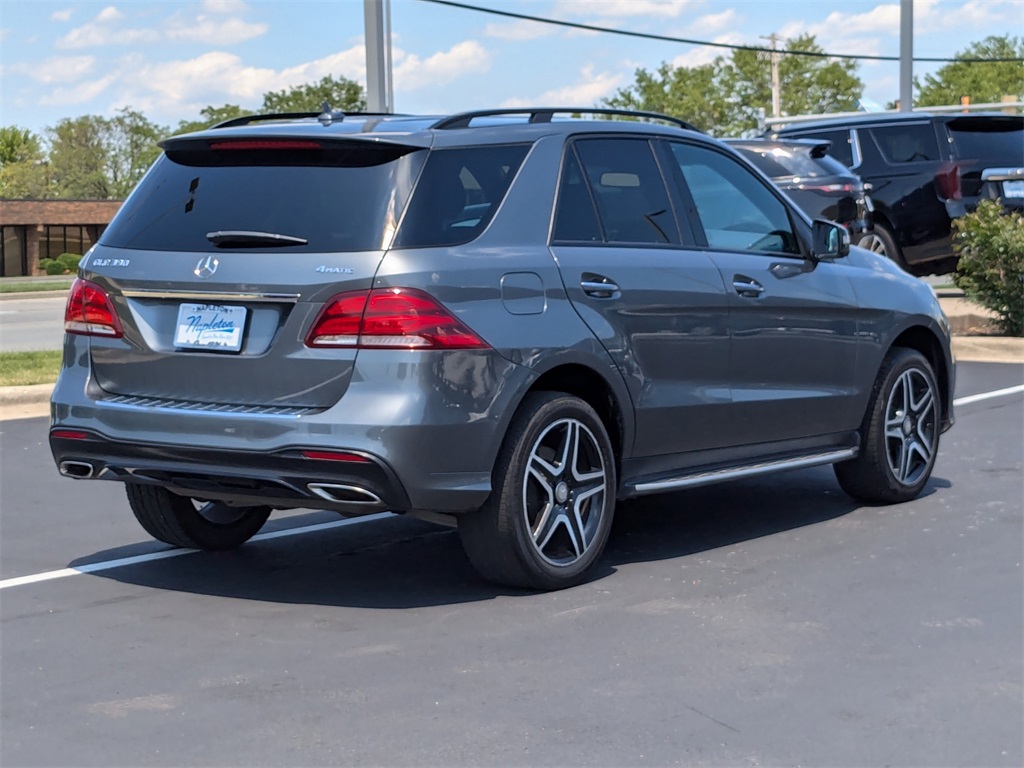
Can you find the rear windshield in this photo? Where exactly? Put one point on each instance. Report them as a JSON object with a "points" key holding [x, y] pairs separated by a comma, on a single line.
{"points": [[776, 162], [1001, 140], [343, 199]]}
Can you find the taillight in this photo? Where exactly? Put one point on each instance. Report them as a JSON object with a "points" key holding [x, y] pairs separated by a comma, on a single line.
{"points": [[947, 182], [390, 318], [89, 311]]}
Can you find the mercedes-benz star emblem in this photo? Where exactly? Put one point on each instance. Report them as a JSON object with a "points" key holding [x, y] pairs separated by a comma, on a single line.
{"points": [[206, 267]]}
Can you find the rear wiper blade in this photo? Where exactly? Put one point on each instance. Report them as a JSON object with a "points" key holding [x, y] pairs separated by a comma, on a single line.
{"points": [[234, 238]]}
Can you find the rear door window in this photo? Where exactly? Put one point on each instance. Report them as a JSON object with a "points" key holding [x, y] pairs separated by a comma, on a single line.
{"points": [[342, 198], [629, 190], [458, 194]]}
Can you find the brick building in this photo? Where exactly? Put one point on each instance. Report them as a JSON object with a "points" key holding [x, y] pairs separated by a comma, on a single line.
{"points": [[31, 230]]}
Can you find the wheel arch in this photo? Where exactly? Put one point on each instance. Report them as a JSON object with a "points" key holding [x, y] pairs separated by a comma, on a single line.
{"points": [[594, 389], [925, 341]]}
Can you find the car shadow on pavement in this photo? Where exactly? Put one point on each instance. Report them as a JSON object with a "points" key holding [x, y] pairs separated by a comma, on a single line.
{"points": [[405, 563]]}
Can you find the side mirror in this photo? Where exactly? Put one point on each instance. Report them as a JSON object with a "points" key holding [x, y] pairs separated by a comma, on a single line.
{"points": [[831, 240]]}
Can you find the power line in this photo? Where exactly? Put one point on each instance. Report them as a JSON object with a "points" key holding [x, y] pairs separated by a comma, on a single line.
{"points": [[669, 39]]}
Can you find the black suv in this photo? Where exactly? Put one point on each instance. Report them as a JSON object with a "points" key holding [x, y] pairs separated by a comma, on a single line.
{"points": [[505, 321], [924, 170]]}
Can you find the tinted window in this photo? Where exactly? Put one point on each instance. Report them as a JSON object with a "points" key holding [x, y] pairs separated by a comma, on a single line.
{"points": [[737, 211], [458, 193], [906, 143], [976, 138], [575, 218], [629, 190], [343, 200]]}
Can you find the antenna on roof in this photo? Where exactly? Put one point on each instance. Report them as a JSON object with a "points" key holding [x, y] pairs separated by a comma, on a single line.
{"points": [[326, 116]]}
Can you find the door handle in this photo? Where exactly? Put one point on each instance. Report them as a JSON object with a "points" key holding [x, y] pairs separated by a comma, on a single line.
{"points": [[599, 286], [747, 286]]}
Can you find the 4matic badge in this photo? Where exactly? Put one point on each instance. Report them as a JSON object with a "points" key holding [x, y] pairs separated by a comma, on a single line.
{"points": [[324, 269]]}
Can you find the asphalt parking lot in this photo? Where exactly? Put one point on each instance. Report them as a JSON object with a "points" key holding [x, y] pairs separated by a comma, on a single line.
{"points": [[767, 622]]}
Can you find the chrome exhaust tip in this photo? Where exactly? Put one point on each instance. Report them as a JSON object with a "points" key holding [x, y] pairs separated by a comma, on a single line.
{"points": [[80, 470], [344, 494]]}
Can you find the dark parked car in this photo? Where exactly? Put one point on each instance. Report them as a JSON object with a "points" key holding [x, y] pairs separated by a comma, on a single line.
{"points": [[817, 182], [507, 321], [924, 170]]}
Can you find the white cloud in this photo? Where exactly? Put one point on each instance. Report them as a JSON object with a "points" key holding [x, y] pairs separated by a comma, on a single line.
{"points": [[705, 54], [714, 22], [105, 29], [587, 92], [224, 6], [623, 8], [79, 93], [411, 72], [62, 15], [929, 16], [59, 69], [518, 30], [214, 31]]}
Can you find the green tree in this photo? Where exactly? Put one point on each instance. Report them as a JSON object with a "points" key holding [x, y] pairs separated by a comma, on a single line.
{"points": [[210, 116], [724, 97], [341, 93], [984, 82], [23, 170], [807, 84], [18, 145], [131, 147], [78, 157], [685, 92]]}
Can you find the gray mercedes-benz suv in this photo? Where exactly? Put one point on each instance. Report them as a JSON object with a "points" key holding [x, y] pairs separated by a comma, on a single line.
{"points": [[508, 319]]}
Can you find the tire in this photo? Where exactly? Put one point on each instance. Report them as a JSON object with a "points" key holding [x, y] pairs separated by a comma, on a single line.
{"points": [[550, 511], [184, 522], [881, 241], [899, 434]]}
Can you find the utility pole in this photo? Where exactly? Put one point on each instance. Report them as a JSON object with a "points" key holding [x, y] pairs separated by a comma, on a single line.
{"points": [[377, 23], [906, 55], [776, 86]]}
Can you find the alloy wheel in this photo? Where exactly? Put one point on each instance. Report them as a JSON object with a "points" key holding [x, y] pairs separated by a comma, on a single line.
{"points": [[911, 420], [564, 491]]}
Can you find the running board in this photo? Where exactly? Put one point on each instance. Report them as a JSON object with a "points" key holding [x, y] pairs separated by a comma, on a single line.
{"points": [[751, 470]]}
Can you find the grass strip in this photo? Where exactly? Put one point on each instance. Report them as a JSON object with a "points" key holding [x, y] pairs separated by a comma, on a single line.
{"points": [[23, 368], [35, 285]]}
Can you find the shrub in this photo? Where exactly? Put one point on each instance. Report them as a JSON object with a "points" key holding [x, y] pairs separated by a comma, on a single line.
{"points": [[65, 264], [990, 244]]}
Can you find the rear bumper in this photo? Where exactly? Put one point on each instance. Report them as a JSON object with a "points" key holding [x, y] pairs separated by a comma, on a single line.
{"points": [[429, 426], [281, 479]]}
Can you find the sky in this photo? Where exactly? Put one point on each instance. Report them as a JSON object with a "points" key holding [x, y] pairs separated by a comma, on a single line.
{"points": [[170, 59]]}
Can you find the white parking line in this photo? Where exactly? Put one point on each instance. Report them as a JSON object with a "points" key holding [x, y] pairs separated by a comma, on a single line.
{"points": [[107, 565], [988, 395], [164, 554]]}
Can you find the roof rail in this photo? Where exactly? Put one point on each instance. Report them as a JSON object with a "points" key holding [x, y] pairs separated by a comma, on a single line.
{"points": [[545, 114], [328, 117]]}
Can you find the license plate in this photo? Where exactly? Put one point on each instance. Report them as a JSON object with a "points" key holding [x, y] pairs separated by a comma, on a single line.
{"points": [[1013, 188], [210, 326]]}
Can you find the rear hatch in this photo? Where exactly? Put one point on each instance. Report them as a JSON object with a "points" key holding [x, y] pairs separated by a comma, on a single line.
{"points": [[220, 260], [985, 141]]}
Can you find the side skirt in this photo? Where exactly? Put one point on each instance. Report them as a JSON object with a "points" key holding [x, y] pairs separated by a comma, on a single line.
{"points": [[707, 477]]}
